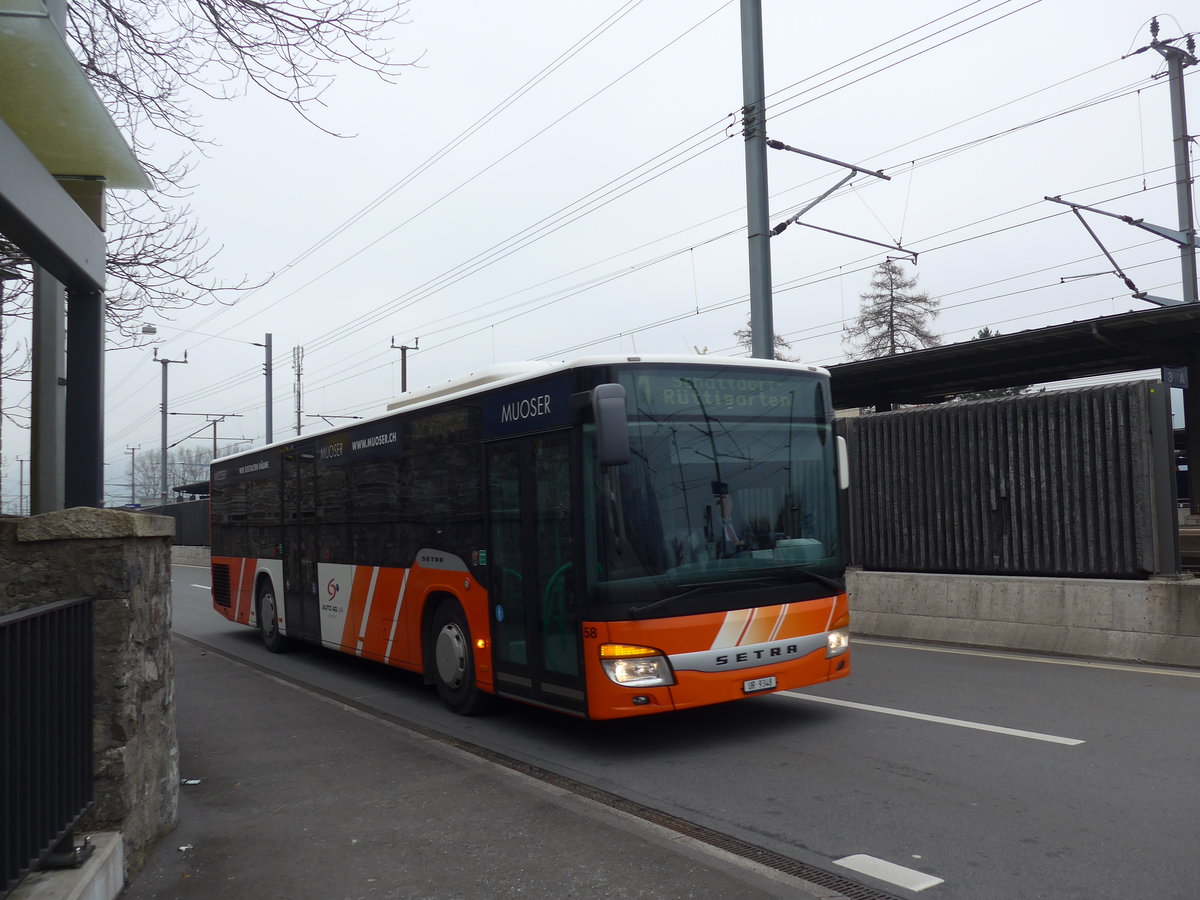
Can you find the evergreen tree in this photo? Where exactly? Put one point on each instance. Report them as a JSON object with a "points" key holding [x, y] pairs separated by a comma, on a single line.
{"points": [[893, 318], [1015, 390]]}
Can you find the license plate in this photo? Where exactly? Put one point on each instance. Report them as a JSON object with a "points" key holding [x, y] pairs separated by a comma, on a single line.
{"points": [[759, 684]]}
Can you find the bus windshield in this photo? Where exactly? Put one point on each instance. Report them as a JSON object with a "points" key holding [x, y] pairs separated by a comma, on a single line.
{"points": [[731, 488]]}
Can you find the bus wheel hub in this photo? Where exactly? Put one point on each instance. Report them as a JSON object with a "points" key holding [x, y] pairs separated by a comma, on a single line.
{"points": [[451, 655]]}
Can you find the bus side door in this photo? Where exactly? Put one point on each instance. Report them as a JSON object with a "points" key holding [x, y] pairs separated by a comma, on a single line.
{"points": [[302, 614], [531, 564]]}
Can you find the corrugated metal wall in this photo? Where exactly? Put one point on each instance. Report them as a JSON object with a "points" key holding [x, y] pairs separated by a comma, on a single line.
{"points": [[191, 521], [1055, 483]]}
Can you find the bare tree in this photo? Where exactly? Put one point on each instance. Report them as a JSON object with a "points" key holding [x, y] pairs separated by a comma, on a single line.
{"points": [[185, 465], [894, 317], [745, 340], [147, 60]]}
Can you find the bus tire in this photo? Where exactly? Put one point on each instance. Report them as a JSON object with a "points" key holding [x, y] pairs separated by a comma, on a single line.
{"points": [[453, 663], [268, 620]]}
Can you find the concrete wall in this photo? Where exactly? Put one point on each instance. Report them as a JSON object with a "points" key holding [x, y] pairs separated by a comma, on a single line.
{"points": [[190, 556], [1156, 621], [122, 560]]}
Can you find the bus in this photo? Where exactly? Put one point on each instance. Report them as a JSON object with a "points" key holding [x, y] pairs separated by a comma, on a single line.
{"points": [[610, 537]]}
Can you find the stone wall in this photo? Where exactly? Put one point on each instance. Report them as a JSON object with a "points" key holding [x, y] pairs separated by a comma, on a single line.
{"points": [[122, 560]]}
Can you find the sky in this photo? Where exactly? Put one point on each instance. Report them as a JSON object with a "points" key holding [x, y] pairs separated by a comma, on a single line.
{"points": [[552, 181]]}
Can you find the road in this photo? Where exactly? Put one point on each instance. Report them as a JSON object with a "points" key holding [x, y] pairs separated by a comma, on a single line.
{"points": [[1004, 776]]}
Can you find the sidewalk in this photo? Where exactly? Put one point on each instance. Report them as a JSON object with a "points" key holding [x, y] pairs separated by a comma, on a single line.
{"points": [[299, 797]]}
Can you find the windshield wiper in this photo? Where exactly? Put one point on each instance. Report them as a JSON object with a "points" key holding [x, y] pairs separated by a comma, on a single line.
{"points": [[638, 612], [807, 574], [761, 579]]}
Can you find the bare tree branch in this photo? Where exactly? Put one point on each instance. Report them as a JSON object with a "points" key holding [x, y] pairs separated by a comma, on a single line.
{"points": [[147, 59]]}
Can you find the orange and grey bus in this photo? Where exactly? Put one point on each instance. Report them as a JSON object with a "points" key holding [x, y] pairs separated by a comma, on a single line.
{"points": [[610, 537]]}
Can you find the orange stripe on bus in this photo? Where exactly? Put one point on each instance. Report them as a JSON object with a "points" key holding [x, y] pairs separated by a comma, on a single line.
{"points": [[355, 606], [245, 601], [383, 612]]}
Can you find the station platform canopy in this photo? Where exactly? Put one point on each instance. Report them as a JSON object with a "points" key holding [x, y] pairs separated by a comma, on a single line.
{"points": [[1127, 342]]}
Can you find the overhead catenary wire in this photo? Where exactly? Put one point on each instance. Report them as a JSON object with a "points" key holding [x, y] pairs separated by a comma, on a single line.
{"points": [[933, 156], [327, 271], [783, 287], [330, 338], [528, 140], [507, 312], [457, 141]]}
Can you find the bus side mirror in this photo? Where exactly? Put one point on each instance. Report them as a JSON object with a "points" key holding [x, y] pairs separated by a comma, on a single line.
{"points": [[612, 424], [843, 463]]}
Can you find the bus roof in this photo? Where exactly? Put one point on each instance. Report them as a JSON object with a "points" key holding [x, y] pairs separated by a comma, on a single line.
{"points": [[504, 374]]}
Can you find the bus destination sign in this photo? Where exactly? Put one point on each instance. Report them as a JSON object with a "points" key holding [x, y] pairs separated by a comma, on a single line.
{"points": [[725, 393]]}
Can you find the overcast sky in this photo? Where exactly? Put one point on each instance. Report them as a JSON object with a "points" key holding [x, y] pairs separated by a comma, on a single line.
{"points": [[523, 195]]}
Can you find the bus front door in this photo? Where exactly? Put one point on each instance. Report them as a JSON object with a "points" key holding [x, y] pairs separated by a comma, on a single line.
{"points": [[534, 618], [302, 615]]}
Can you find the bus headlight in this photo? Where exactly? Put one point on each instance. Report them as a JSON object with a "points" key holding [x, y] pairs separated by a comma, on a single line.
{"points": [[630, 665], [837, 642]]}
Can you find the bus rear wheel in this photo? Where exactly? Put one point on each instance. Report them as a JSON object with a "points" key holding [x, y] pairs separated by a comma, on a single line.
{"points": [[454, 661], [268, 620]]}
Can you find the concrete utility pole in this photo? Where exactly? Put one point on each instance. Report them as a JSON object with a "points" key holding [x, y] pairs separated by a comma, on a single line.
{"points": [[758, 230], [133, 474], [267, 371], [298, 365], [404, 348], [162, 489], [1177, 60]]}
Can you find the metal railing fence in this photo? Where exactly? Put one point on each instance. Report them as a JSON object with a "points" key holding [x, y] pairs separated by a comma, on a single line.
{"points": [[45, 732]]}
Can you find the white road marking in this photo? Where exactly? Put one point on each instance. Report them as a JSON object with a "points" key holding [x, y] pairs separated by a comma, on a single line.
{"points": [[1021, 657], [203, 587], [901, 876], [941, 720]]}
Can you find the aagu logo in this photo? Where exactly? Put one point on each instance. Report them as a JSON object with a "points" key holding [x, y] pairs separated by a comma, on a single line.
{"points": [[331, 592]]}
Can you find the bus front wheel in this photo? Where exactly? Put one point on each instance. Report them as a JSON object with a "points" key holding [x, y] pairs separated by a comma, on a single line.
{"points": [[454, 661], [268, 620]]}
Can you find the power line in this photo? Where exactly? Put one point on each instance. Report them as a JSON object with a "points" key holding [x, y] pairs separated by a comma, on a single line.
{"points": [[892, 65], [362, 249], [500, 251], [659, 259]]}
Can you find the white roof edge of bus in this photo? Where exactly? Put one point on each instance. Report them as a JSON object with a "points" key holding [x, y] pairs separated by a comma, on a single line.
{"points": [[503, 373], [463, 383], [493, 376], [612, 359]]}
